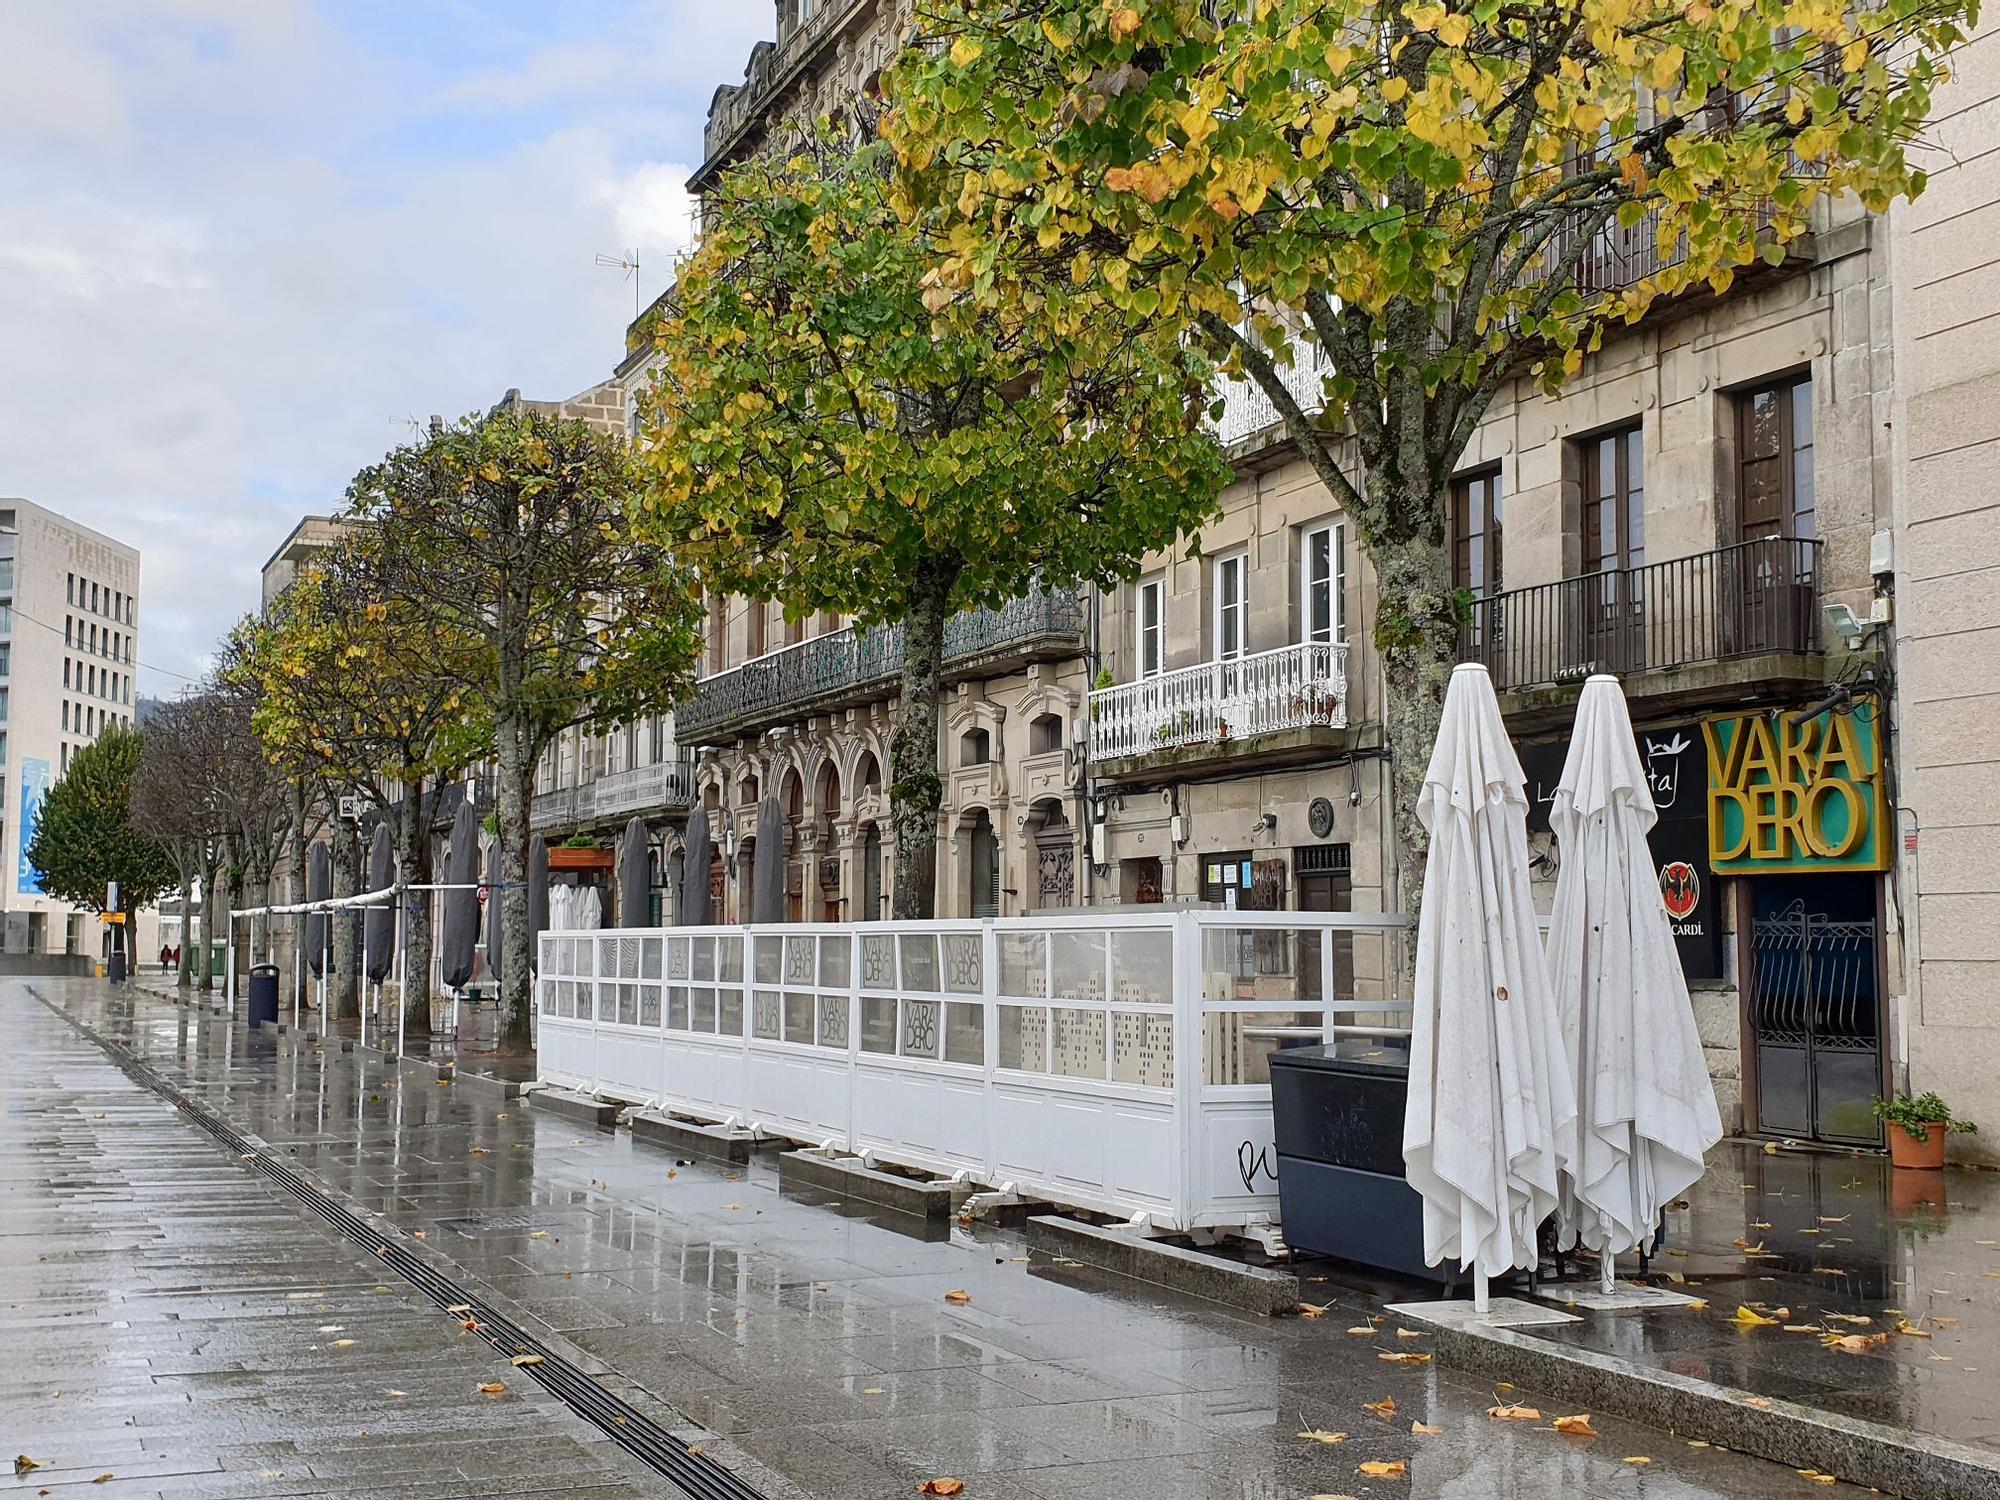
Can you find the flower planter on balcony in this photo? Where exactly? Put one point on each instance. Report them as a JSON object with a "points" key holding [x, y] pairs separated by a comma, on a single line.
{"points": [[1230, 704], [580, 859]]}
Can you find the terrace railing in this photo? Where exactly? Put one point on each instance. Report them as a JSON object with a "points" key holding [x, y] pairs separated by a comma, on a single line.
{"points": [[1294, 687]]}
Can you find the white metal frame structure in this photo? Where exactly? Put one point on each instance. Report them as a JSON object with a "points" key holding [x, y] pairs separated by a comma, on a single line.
{"points": [[1106, 1061]]}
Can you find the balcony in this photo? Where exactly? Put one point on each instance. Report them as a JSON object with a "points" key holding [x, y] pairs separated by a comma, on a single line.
{"points": [[1248, 412], [1741, 617], [666, 787], [1268, 707], [850, 666]]}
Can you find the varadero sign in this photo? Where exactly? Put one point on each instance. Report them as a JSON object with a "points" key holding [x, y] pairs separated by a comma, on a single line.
{"points": [[1796, 798]]}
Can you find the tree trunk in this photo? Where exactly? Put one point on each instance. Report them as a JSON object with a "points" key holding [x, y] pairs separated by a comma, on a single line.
{"points": [[1416, 632], [185, 965], [516, 942], [343, 984], [916, 789], [413, 865], [211, 897]]}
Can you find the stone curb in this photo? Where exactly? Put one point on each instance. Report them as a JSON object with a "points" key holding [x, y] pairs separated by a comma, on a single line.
{"points": [[1120, 1252], [1900, 1462], [599, 1113], [709, 1142], [846, 1178]]}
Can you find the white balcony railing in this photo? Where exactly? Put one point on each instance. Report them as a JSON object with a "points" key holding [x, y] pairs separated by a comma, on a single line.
{"points": [[1294, 687], [668, 784], [1247, 410]]}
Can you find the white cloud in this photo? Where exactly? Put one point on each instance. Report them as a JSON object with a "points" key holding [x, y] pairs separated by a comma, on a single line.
{"points": [[256, 243]]}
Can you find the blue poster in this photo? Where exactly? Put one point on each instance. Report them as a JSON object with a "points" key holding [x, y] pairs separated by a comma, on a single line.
{"points": [[34, 787]]}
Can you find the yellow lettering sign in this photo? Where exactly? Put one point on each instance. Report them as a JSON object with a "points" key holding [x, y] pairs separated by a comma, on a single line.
{"points": [[1786, 796]]}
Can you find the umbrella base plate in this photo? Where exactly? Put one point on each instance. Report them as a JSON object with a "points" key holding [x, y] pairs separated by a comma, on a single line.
{"points": [[1624, 1296], [1501, 1312]]}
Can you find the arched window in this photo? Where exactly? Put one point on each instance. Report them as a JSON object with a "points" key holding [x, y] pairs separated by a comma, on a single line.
{"points": [[1045, 733], [975, 748], [868, 773]]}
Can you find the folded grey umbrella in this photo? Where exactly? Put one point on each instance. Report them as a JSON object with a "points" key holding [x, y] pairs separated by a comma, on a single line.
{"points": [[635, 876], [319, 886], [767, 865], [694, 871], [538, 896], [459, 943], [378, 928]]}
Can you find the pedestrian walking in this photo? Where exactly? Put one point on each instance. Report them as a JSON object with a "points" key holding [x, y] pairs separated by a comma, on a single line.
{"points": [[166, 957]]}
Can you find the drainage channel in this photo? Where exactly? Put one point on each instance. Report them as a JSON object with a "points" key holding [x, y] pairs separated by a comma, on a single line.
{"points": [[698, 1475]]}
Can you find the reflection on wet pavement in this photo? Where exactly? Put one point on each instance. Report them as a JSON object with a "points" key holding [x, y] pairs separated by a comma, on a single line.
{"points": [[822, 1345], [1834, 1240]]}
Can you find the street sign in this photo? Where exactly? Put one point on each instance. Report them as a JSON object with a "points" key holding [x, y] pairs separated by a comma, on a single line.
{"points": [[111, 901], [350, 807]]}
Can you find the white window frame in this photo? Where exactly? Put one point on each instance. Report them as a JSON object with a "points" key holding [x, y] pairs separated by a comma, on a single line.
{"points": [[1223, 563], [1335, 632], [1155, 635]]}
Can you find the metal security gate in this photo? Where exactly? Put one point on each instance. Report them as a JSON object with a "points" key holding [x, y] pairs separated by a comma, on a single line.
{"points": [[1816, 1020]]}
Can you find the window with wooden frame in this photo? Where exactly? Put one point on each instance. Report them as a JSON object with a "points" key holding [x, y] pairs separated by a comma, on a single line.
{"points": [[1323, 586], [1774, 461], [1475, 533], [1614, 501]]}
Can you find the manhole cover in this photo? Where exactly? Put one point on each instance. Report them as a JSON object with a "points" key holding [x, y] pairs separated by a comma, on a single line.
{"points": [[497, 1224]]}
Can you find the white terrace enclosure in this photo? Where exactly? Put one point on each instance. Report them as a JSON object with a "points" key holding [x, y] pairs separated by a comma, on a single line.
{"points": [[1113, 1062]]}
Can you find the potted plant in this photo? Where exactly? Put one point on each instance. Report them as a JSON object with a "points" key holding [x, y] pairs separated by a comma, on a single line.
{"points": [[1917, 1128]]}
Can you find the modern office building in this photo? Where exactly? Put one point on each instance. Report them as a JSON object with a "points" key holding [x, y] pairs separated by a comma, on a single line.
{"points": [[69, 651]]}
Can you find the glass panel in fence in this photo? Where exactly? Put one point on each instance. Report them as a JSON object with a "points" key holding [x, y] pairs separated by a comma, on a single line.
{"points": [[677, 958], [704, 958], [729, 1013], [628, 1001], [1024, 1038], [1076, 1042], [798, 1018], [1076, 965], [1261, 963], [729, 959], [764, 1015], [1142, 1049], [878, 963], [1236, 1045], [628, 957], [549, 996], [649, 1005], [878, 1024], [962, 963], [1024, 964], [701, 1010], [920, 962], [798, 960], [767, 960], [833, 1021], [965, 1034], [677, 1008], [920, 1028], [836, 962], [1142, 967], [649, 958]]}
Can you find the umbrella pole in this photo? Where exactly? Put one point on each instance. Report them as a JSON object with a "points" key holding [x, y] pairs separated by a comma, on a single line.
{"points": [[402, 979], [1607, 1269], [1481, 1302], [298, 968]]}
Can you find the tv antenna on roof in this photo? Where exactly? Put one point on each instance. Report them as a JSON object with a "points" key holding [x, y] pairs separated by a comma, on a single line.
{"points": [[629, 264]]}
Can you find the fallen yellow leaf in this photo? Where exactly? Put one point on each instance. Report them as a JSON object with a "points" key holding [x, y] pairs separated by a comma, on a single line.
{"points": [[526, 1360], [26, 1465], [1578, 1426], [1514, 1413], [941, 1487], [957, 1296], [491, 1387], [1380, 1469], [1424, 1429], [1408, 1333], [1307, 1310], [1638, 1460], [1401, 1358], [1745, 1318], [341, 1344], [1386, 1407], [102, 1479], [1854, 1318], [1855, 1343], [1362, 1333], [1318, 1435], [1905, 1326]]}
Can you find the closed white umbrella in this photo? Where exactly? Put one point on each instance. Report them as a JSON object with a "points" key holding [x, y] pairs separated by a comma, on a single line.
{"points": [[1491, 1112], [1646, 1109]]}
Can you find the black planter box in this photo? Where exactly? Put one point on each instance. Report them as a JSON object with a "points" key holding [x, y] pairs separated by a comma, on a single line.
{"points": [[1341, 1191]]}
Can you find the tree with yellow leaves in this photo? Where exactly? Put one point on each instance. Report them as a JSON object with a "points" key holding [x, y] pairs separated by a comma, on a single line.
{"points": [[1418, 198]]}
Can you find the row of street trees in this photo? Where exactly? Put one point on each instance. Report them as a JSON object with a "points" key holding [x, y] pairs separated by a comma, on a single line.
{"points": [[928, 358]]}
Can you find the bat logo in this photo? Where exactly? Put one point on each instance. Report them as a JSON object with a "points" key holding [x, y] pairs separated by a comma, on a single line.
{"points": [[1680, 889]]}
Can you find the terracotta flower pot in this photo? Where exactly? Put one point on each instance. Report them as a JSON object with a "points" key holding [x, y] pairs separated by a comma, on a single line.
{"points": [[1919, 1153]]}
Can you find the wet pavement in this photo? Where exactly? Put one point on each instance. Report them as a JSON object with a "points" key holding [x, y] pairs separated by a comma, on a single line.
{"points": [[821, 1350], [174, 1326], [1844, 1246]]}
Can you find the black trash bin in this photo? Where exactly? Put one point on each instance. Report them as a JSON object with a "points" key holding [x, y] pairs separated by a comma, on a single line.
{"points": [[1341, 1190], [263, 993], [114, 967]]}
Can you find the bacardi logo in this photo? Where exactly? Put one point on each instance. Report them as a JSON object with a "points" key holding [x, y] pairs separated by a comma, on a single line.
{"points": [[1680, 889]]}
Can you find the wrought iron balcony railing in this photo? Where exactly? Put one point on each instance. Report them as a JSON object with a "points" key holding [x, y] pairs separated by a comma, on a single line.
{"points": [[851, 665], [1294, 687], [1247, 409], [1752, 599]]}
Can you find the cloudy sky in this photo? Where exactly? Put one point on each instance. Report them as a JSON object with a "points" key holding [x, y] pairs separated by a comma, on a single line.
{"points": [[244, 242]]}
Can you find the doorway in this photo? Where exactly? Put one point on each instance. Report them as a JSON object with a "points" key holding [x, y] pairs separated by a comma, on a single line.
{"points": [[1813, 997], [982, 896], [1326, 883]]}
